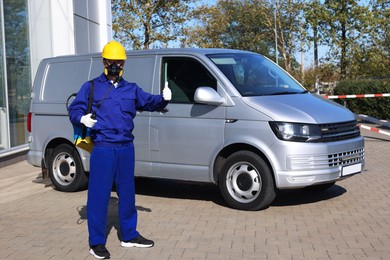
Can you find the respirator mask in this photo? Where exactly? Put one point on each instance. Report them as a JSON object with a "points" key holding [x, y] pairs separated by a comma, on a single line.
{"points": [[113, 68]]}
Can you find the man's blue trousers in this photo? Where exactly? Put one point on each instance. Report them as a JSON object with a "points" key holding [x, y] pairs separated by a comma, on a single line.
{"points": [[111, 164]]}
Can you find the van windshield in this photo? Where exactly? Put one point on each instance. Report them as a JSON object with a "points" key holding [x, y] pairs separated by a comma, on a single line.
{"points": [[254, 75]]}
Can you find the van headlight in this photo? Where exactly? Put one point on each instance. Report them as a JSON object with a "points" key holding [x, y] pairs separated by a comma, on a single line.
{"points": [[296, 132]]}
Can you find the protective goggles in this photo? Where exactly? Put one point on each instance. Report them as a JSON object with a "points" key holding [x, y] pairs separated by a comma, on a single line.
{"points": [[119, 63]]}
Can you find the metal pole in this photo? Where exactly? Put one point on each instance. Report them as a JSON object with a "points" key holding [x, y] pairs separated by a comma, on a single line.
{"points": [[276, 34]]}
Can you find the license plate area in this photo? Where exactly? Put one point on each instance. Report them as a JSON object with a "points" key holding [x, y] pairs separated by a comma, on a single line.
{"points": [[351, 169]]}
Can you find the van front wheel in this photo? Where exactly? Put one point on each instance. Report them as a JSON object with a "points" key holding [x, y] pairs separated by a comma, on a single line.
{"points": [[66, 170], [246, 182]]}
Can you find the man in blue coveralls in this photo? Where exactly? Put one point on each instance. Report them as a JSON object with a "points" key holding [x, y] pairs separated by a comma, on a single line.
{"points": [[115, 102]]}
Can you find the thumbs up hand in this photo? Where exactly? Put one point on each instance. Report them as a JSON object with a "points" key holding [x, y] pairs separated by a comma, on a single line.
{"points": [[167, 93]]}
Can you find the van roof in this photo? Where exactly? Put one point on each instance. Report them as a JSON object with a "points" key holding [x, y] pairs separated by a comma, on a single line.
{"points": [[194, 51], [184, 51]]}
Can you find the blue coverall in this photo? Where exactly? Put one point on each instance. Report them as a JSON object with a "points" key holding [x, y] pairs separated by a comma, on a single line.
{"points": [[112, 158]]}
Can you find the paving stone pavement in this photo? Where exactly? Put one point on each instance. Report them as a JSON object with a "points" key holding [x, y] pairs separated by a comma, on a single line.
{"points": [[188, 221]]}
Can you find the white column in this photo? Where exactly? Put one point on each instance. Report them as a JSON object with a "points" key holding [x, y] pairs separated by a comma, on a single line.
{"points": [[51, 30], [62, 27], [105, 22]]}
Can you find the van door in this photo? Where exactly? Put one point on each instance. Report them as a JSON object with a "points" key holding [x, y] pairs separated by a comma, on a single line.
{"points": [[186, 137]]}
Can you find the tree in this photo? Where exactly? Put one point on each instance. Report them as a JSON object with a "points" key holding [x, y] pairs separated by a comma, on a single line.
{"points": [[288, 21], [344, 27], [314, 16], [232, 24], [139, 24], [357, 36], [250, 25], [380, 35]]}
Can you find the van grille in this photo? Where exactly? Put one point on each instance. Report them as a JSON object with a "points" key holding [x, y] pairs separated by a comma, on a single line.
{"points": [[346, 158], [339, 131], [325, 161]]}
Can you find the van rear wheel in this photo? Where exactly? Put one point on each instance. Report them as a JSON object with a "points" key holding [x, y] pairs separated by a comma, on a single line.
{"points": [[66, 170], [246, 182]]}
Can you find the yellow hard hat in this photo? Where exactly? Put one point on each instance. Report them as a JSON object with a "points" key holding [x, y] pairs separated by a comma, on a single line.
{"points": [[114, 51]]}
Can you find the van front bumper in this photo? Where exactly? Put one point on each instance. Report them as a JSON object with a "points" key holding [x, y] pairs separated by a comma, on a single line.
{"points": [[307, 170], [298, 164], [293, 180]]}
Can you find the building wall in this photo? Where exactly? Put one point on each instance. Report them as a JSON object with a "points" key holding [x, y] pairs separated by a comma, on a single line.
{"points": [[92, 19], [47, 28], [61, 27]]}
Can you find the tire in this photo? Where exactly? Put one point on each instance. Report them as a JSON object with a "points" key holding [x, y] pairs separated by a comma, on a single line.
{"points": [[66, 170], [246, 181]]}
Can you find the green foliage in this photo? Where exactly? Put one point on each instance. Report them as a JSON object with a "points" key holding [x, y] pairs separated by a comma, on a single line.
{"points": [[290, 32], [375, 107], [380, 36], [233, 24], [356, 33], [369, 61], [253, 25], [314, 15], [344, 27], [322, 73], [141, 24]]}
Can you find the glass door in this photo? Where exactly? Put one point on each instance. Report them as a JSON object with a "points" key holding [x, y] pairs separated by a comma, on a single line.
{"points": [[18, 68], [4, 139]]}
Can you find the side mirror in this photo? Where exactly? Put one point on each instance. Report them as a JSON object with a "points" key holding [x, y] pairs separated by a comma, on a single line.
{"points": [[208, 96]]}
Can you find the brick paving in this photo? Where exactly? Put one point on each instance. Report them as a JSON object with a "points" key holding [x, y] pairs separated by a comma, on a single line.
{"points": [[189, 221]]}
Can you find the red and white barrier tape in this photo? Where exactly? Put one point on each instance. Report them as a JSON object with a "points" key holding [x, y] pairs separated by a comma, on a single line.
{"points": [[374, 129], [357, 96]]}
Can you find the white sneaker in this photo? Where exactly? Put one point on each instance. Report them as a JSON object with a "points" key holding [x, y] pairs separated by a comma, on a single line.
{"points": [[139, 241], [99, 252]]}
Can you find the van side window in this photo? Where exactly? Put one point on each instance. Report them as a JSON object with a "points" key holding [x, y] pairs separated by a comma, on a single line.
{"points": [[184, 76]]}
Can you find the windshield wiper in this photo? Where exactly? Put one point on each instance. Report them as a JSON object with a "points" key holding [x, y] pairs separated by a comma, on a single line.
{"points": [[288, 92]]}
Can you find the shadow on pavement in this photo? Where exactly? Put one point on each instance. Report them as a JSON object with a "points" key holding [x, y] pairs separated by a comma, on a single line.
{"points": [[372, 138], [304, 196], [112, 218], [179, 190], [209, 192], [44, 181]]}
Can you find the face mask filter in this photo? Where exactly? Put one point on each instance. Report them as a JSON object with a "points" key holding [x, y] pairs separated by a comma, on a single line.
{"points": [[113, 70]]}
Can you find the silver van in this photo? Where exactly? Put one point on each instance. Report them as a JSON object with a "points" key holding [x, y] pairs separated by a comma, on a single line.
{"points": [[236, 119]]}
